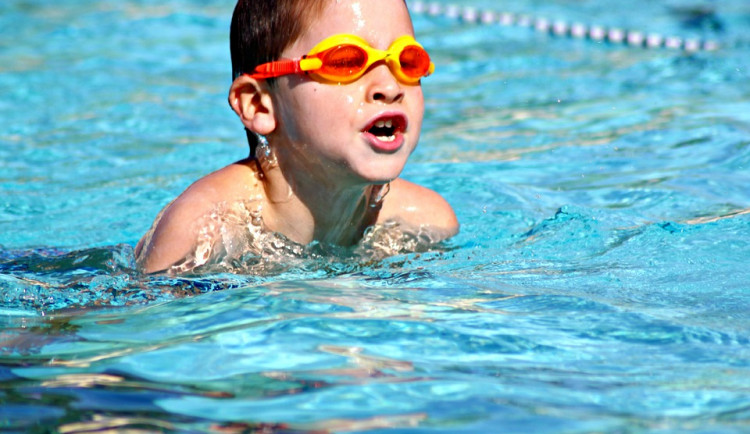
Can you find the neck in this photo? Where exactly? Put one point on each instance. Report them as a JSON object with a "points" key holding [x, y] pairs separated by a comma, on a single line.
{"points": [[308, 208]]}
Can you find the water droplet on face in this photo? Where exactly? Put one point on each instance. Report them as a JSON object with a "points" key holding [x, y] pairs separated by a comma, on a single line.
{"points": [[357, 10]]}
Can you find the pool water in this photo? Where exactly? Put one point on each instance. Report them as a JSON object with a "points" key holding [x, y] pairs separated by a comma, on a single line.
{"points": [[600, 281]]}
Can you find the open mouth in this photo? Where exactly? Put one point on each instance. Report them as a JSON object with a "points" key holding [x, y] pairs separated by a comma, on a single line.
{"points": [[387, 128]]}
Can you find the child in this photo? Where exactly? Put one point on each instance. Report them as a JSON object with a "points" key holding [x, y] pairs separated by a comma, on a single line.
{"points": [[327, 143]]}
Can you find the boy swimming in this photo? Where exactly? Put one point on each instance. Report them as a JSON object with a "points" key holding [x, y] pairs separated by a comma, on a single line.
{"points": [[329, 94]]}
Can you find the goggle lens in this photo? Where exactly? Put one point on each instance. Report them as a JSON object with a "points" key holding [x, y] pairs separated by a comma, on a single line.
{"points": [[343, 61], [415, 62]]}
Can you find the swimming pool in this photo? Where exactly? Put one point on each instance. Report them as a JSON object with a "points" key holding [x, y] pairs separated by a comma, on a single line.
{"points": [[599, 282]]}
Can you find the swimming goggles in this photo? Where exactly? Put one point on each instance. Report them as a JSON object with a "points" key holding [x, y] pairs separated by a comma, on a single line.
{"points": [[345, 58]]}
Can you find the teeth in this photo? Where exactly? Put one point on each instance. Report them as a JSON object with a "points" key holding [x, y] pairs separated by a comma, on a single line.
{"points": [[384, 124], [385, 127]]}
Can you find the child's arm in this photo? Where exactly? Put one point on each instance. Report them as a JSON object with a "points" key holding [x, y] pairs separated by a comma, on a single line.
{"points": [[177, 230], [417, 206], [173, 237]]}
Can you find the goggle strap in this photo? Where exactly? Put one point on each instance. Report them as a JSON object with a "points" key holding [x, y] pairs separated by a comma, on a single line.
{"points": [[284, 67], [276, 69]]}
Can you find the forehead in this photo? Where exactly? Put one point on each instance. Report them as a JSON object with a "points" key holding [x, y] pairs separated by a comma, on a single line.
{"points": [[379, 22]]}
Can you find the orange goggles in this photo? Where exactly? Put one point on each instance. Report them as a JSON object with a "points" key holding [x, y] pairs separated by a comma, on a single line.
{"points": [[345, 58]]}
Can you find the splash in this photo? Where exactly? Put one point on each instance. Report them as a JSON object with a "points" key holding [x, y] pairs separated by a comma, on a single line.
{"points": [[234, 251]]}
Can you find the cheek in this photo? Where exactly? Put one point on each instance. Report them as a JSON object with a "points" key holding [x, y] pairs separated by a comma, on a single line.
{"points": [[340, 102], [416, 106], [318, 108], [418, 97]]}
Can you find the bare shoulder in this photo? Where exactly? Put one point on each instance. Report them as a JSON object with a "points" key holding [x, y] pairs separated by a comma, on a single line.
{"points": [[175, 231], [419, 206]]}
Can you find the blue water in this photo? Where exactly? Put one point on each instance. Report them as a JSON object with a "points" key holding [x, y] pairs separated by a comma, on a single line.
{"points": [[600, 282]]}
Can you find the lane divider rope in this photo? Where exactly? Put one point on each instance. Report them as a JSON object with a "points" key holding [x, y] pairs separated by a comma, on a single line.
{"points": [[559, 28]]}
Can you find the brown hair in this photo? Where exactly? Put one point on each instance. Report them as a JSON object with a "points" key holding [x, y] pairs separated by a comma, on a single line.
{"points": [[262, 29]]}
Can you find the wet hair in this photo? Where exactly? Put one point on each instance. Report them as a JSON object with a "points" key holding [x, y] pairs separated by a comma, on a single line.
{"points": [[262, 29]]}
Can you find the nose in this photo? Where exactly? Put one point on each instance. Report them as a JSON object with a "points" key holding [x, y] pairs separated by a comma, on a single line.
{"points": [[382, 85]]}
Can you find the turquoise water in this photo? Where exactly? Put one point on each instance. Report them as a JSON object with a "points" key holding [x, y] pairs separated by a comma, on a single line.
{"points": [[600, 281]]}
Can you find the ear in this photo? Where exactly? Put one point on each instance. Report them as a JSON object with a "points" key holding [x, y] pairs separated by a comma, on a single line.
{"points": [[251, 100]]}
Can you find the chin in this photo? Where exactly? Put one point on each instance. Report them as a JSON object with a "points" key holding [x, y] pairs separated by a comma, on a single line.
{"points": [[380, 174]]}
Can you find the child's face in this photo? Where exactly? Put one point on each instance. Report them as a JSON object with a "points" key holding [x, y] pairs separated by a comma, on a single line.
{"points": [[326, 130]]}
